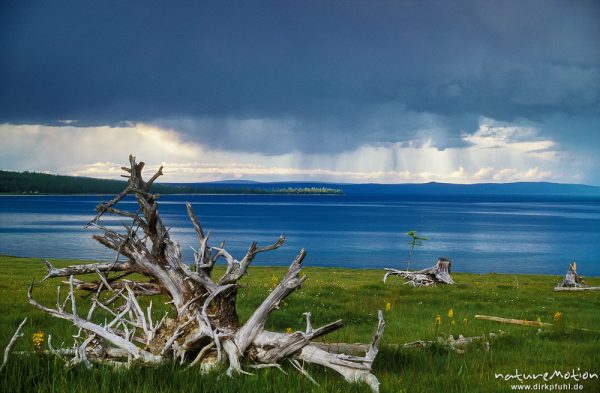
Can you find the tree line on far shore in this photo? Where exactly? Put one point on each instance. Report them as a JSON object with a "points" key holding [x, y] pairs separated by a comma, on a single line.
{"points": [[43, 183]]}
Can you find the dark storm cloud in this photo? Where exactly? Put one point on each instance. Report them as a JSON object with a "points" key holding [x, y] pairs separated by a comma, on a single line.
{"points": [[339, 73]]}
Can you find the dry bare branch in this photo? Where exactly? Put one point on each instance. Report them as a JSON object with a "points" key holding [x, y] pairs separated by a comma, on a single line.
{"points": [[12, 343]]}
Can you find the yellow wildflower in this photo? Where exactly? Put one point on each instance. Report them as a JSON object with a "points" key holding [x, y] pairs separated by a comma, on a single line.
{"points": [[450, 313], [558, 316], [453, 323], [38, 338], [388, 306], [274, 282], [438, 320], [289, 330], [465, 321]]}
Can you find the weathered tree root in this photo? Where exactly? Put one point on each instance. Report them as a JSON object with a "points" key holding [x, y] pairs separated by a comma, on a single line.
{"points": [[204, 330], [440, 273], [573, 281]]}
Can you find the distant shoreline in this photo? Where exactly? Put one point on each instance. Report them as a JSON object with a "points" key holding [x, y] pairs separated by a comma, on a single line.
{"points": [[308, 266], [4, 194], [33, 183]]}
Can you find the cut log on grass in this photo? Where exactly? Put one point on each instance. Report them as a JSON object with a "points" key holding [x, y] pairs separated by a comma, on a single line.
{"points": [[203, 329], [512, 321], [440, 273], [573, 281]]}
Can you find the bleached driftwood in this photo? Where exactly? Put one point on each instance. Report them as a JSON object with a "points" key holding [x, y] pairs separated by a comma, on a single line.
{"points": [[203, 328], [12, 343], [512, 321], [573, 281], [524, 322], [440, 273], [353, 368], [576, 289], [452, 344]]}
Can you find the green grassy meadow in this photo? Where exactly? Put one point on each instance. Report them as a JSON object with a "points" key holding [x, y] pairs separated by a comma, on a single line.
{"points": [[354, 296]]}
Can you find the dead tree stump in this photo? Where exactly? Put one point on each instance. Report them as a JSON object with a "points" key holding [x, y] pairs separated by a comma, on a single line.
{"points": [[440, 273], [573, 281]]}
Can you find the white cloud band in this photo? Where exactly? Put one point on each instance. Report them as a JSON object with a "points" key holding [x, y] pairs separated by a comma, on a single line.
{"points": [[494, 153]]}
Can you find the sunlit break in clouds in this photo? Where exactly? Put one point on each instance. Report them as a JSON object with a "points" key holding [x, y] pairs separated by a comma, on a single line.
{"points": [[387, 92]]}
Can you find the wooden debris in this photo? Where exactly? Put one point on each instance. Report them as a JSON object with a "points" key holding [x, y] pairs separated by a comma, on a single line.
{"points": [[440, 273], [452, 344], [512, 321], [204, 328], [573, 281], [566, 289], [12, 343]]}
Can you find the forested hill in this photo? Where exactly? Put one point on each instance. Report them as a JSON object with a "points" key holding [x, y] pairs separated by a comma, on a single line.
{"points": [[42, 183]]}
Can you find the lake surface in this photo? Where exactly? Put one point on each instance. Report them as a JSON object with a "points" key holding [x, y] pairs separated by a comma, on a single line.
{"points": [[480, 234]]}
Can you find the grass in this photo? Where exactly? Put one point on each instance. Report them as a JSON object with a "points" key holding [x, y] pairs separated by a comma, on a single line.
{"points": [[355, 296]]}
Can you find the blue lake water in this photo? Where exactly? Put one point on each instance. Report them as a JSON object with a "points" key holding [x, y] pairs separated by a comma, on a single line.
{"points": [[480, 234]]}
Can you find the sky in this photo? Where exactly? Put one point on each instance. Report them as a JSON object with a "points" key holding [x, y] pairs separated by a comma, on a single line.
{"points": [[336, 91]]}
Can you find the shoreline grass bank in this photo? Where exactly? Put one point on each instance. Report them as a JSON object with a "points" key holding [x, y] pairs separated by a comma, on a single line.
{"points": [[355, 296]]}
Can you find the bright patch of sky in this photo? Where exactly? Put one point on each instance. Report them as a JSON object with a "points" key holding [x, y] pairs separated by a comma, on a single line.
{"points": [[496, 152]]}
